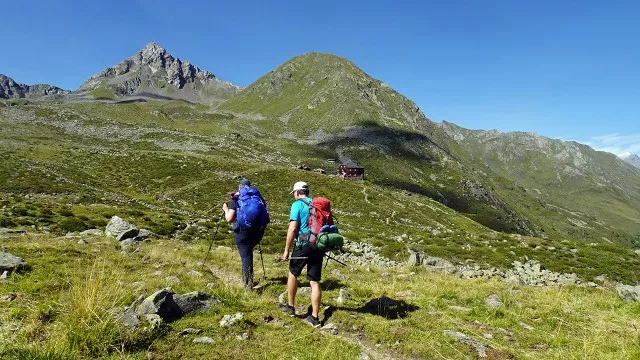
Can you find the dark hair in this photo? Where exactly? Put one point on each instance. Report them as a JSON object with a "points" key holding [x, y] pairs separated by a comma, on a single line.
{"points": [[303, 192]]}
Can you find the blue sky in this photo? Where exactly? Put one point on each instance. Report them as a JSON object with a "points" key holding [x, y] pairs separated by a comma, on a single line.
{"points": [[564, 69]]}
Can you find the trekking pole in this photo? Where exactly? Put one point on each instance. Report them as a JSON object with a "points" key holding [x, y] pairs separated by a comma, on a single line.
{"points": [[215, 233], [264, 272], [334, 259]]}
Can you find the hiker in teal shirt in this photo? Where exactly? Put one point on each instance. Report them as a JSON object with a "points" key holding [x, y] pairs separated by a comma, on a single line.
{"points": [[304, 254]]}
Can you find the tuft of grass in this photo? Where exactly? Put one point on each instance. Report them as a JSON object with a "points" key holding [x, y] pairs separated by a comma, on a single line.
{"points": [[89, 323]]}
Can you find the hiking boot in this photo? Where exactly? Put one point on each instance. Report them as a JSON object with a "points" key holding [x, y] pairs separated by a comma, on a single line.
{"points": [[313, 321], [287, 309]]}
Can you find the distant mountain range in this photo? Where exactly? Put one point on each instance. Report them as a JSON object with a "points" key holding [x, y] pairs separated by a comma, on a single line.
{"points": [[632, 159], [10, 89]]}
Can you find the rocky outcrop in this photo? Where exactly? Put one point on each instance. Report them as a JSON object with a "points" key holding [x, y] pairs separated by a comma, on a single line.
{"points": [[530, 272], [628, 292], [154, 71], [9, 89], [9, 262]]}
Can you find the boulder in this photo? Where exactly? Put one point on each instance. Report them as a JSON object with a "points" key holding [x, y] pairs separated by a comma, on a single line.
{"points": [[414, 258], [120, 229], [169, 306], [229, 320], [628, 292], [194, 301], [144, 234], [9, 262]]}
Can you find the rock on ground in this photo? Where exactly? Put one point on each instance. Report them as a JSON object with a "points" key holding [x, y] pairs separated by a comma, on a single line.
{"points": [[229, 320], [628, 292], [9, 262], [164, 305], [480, 348], [92, 232], [120, 229], [203, 340], [343, 296], [188, 331], [493, 301]]}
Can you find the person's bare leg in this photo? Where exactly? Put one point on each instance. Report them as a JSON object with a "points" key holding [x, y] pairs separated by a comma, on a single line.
{"points": [[292, 289], [316, 295]]}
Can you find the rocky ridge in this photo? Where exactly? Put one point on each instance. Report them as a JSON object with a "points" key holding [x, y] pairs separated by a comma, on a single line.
{"points": [[10, 89], [154, 72]]}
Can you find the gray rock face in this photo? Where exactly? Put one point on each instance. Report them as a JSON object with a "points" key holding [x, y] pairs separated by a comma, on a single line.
{"points": [[628, 293], [9, 89], [120, 229], [9, 262], [480, 348], [156, 72]]}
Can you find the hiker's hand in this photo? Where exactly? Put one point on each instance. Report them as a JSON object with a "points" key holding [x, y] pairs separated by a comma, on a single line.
{"points": [[225, 207], [285, 256]]}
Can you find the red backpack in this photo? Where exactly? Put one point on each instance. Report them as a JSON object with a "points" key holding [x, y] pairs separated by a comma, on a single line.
{"points": [[319, 215]]}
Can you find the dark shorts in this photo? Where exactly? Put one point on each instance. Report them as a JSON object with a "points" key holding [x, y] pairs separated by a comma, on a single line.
{"points": [[313, 263]]}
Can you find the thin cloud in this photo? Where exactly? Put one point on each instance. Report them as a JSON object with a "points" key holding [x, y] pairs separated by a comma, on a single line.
{"points": [[616, 143]]}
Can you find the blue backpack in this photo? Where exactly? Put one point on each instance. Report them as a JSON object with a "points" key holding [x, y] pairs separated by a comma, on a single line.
{"points": [[252, 211]]}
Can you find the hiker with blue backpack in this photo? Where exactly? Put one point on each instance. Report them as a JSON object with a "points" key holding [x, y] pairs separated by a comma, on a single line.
{"points": [[248, 212]]}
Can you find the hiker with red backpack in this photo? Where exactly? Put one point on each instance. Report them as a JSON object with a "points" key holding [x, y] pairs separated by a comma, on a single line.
{"points": [[248, 212], [306, 218]]}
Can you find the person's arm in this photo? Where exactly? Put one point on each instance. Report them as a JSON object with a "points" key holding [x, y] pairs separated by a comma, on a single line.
{"points": [[229, 211], [294, 220], [291, 235]]}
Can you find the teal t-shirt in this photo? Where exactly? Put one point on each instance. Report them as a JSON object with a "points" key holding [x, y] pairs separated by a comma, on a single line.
{"points": [[300, 213]]}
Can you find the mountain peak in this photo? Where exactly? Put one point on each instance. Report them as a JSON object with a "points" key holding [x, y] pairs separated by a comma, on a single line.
{"points": [[153, 71], [632, 159], [319, 91]]}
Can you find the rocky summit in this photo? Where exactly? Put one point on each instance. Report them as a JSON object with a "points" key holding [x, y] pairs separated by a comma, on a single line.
{"points": [[632, 159], [154, 73], [10, 89]]}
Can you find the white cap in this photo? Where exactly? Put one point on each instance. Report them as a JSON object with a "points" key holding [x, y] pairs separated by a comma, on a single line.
{"points": [[300, 185]]}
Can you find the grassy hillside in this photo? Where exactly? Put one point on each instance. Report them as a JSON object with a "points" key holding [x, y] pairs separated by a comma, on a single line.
{"points": [[167, 166], [594, 190]]}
